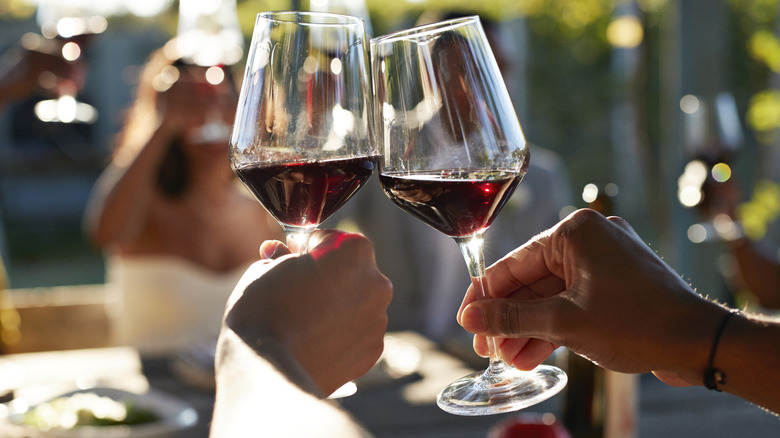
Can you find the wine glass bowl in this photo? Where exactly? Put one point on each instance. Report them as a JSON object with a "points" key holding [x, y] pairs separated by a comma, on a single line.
{"points": [[301, 141], [208, 33], [453, 153]]}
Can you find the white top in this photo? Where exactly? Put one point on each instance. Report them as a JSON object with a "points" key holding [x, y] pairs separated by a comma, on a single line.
{"points": [[166, 304]]}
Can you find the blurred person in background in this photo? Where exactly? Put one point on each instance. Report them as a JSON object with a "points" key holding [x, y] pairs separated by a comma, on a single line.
{"points": [[32, 67], [35, 66], [756, 279], [176, 226]]}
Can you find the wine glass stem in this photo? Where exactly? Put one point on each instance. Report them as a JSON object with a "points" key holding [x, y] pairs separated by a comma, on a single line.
{"points": [[472, 249], [298, 238]]}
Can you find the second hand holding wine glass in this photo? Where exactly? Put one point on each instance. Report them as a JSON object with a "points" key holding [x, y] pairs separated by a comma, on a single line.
{"points": [[453, 154], [300, 139]]}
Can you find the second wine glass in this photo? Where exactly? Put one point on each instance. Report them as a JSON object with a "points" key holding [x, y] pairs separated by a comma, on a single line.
{"points": [[300, 140], [453, 153]]}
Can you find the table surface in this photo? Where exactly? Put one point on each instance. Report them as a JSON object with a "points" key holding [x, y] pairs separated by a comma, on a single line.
{"points": [[396, 399]]}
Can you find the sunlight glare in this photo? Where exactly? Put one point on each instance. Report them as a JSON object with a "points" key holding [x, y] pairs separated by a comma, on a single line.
{"points": [[625, 32]]}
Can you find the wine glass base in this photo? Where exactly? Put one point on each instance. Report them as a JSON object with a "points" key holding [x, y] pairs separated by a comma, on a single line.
{"points": [[486, 393]]}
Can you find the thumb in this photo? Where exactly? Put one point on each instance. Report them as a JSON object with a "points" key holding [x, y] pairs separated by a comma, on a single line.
{"points": [[506, 318]]}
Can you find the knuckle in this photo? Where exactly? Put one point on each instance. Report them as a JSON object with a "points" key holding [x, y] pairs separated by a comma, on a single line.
{"points": [[585, 215], [374, 349], [509, 319], [387, 287]]}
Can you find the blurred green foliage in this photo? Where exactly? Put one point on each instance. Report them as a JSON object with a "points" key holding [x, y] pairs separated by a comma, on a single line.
{"points": [[758, 21]]}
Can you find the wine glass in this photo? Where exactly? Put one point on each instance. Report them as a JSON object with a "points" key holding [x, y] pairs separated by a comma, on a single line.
{"points": [[208, 33], [453, 152], [208, 36], [300, 139], [73, 24], [713, 140]]}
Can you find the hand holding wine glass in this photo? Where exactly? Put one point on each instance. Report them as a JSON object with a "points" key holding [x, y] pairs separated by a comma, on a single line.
{"points": [[453, 152]]}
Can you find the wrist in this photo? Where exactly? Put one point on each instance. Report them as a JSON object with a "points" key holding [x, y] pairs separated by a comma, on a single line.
{"points": [[693, 344], [713, 377], [268, 349]]}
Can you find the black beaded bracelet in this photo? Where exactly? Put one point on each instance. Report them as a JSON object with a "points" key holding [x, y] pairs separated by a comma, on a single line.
{"points": [[713, 377]]}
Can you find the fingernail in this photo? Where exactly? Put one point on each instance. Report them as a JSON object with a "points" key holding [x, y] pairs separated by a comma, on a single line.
{"points": [[473, 320], [267, 249]]}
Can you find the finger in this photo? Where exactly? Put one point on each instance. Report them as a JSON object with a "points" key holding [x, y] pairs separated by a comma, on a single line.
{"points": [[522, 267], [271, 249], [321, 235], [507, 318], [511, 347], [469, 298], [542, 288], [325, 242], [522, 353], [623, 224], [481, 346], [54, 64], [533, 353]]}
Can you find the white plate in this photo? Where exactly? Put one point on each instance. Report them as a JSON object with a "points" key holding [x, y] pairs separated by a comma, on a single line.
{"points": [[175, 417]]}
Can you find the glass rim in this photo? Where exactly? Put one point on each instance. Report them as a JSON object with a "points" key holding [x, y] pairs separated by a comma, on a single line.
{"points": [[335, 19], [426, 29]]}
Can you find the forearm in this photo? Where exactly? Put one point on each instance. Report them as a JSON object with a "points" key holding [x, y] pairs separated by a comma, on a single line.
{"points": [[13, 84], [264, 392], [120, 198], [746, 353], [759, 271], [8, 88], [749, 355]]}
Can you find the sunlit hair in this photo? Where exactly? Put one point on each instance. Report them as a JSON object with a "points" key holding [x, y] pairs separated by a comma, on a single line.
{"points": [[143, 116]]}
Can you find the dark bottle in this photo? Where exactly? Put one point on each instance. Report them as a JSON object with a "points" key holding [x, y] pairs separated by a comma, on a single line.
{"points": [[598, 403]]}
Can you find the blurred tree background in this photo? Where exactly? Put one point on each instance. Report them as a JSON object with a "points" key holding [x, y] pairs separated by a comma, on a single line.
{"points": [[599, 82]]}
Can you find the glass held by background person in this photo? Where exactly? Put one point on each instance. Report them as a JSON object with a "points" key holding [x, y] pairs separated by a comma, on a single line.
{"points": [[72, 26]]}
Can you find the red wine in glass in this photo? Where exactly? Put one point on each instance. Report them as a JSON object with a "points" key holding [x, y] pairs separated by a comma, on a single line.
{"points": [[455, 202], [304, 194]]}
